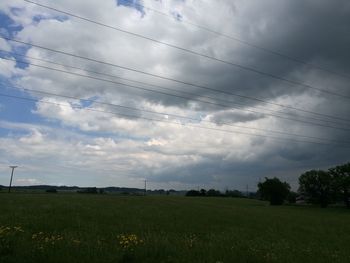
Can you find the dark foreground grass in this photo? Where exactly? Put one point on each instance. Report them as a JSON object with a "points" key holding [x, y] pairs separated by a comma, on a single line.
{"points": [[104, 228]]}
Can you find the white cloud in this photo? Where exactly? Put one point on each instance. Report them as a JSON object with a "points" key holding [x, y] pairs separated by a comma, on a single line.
{"points": [[4, 45], [7, 68]]}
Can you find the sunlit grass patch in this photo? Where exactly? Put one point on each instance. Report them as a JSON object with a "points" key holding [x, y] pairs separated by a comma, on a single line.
{"points": [[8, 236], [42, 240], [129, 241]]}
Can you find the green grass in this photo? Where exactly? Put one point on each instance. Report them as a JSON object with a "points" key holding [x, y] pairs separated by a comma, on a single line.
{"points": [[173, 229]]}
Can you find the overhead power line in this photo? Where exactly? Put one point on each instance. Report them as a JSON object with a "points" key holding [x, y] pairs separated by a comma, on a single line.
{"points": [[173, 95], [166, 114], [239, 40], [171, 122], [172, 79], [169, 89], [193, 52]]}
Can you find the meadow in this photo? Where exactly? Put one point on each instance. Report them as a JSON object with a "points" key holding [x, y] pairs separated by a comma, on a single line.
{"points": [[109, 228]]}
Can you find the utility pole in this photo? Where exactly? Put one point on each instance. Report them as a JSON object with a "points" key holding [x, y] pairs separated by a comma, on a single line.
{"points": [[13, 168], [145, 186]]}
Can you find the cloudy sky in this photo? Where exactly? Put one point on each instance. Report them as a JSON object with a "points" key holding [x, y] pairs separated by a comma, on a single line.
{"points": [[201, 94]]}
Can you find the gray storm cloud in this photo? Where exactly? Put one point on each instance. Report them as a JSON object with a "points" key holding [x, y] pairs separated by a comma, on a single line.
{"points": [[314, 32]]}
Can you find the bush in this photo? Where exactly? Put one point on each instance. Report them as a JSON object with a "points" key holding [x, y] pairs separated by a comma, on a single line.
{"points": [[89, 190]]}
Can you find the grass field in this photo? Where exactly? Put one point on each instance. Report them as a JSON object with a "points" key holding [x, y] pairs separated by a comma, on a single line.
{"points": [[105, 228]]}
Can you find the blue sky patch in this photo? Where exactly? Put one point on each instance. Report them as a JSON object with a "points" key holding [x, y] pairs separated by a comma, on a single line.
{"points": [[21, 50], [38, 18], [8, 27], [16, 110], [88, 102], [136, 4]]}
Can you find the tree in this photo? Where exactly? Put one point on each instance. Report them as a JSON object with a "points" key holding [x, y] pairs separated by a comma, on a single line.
{"points": [[316, 185], [273, 190], [88, 190], [213, 192], [341, 182], [202, 192], [193, 193]]}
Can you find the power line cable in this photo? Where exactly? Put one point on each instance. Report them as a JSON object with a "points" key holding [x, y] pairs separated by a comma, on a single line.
{"points": [[173, 95], [172, 79], [167, 114], [193, 52], [164, 88], [241, 41], [170, 122]]}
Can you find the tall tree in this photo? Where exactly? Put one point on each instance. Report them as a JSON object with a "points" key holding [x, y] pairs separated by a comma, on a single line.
{"points": [[273, 190], [341, 182], [316, 186]]}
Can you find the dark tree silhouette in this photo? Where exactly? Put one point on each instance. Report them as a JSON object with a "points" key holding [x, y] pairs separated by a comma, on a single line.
{"points": [[341, 182], [193, 193], [213, 192], [202, 192], [316, 186], [273, 190]]}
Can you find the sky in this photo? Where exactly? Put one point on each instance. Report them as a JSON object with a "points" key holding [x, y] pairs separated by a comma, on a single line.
{"points": [[220, 93]]}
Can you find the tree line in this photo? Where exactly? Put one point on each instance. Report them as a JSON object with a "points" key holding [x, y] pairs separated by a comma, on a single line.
{"points": [[315, 187], [215, 193]]}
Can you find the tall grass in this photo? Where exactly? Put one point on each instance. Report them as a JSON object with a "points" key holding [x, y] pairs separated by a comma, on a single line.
{"points": [[104, 228]]}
